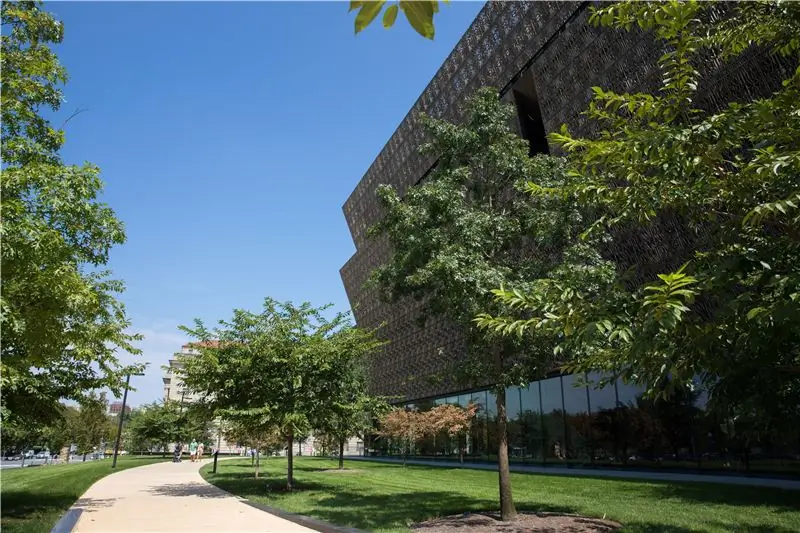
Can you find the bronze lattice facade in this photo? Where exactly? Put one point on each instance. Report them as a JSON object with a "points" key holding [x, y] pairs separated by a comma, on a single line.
{"points": [[541, 54]]}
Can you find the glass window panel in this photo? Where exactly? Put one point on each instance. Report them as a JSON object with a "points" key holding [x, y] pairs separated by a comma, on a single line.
{"points": [[576, 413], [453, 400], [516, 444], [491, 425], [531, 422], [478, 445], [440, 401], [603, 402], [636, 430], [512, 402], [553, 419], [479, 399]]}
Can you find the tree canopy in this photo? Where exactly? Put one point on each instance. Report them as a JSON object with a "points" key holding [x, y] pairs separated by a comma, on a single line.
{"points": [[726, 308], [62, 324], [468, 228], [281, 367], [349, 410]]}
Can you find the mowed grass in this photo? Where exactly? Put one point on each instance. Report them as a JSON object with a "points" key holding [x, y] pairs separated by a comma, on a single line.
{"points": [[388, 498], [32, 499]]}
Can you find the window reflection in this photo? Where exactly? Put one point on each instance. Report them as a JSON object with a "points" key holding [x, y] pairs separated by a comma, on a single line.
{"points": [[576, 413], [602, 403], [491, 425], [530, 422], [516, 445], [478, 447], [553, 419]]}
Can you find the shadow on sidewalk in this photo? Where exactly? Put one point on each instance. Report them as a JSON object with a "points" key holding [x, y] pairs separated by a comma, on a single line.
{"points": [[90, 504], [193, 488]]}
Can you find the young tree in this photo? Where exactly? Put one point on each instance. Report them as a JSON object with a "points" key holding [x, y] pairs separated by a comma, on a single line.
{"points": [[349, 410], [454, 420], [406, 425], [726, 181], [256, 431], [61, 321], [276, 364], [93, 427], [467, 229]]}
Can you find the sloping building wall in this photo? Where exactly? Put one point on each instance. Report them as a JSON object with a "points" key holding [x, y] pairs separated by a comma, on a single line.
{"points": [[544, 57]]}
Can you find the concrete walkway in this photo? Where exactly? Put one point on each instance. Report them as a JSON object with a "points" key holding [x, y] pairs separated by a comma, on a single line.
{"points": [[788, 484], [169, 497]]}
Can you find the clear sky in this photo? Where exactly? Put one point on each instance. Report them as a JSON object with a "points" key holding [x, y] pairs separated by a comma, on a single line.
{"points": [[229, 136]]}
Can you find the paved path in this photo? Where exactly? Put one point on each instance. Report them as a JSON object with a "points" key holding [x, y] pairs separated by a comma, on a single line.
{"points": [[789, 484], [170, 497]]}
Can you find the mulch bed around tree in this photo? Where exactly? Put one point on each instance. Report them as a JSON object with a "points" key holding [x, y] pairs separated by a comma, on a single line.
{"points": [[526, 523]]}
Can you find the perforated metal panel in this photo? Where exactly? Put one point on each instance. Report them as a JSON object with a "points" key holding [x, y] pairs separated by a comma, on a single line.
{"points": [[566, 57]]}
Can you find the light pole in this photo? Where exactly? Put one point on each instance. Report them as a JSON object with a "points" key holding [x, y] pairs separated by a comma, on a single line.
{"points": [[121, 418]]}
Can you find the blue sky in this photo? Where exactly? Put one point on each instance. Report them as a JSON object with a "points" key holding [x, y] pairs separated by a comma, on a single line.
{"points": [[229, 136]]}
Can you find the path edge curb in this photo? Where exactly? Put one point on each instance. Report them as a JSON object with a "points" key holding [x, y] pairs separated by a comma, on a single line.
{"points": [[67, 521]]}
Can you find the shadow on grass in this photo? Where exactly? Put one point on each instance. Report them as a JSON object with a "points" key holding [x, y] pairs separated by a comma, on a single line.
{"points": [[368, 511], [22, 504], [369, 507], [782, 501]]}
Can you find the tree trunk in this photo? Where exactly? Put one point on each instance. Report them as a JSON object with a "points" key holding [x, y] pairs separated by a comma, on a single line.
{"points": [[341, 454], [507, 510], [461, 450], [84, 458], [258, 461], [290, 467]]}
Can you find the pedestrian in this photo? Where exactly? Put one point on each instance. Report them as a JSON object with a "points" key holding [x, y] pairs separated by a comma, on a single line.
{"points": [[200, 449], [193, 450], [176, 453]]}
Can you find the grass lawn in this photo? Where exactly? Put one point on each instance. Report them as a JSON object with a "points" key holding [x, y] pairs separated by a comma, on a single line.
{"points": [[34, 498], [387, 498]]}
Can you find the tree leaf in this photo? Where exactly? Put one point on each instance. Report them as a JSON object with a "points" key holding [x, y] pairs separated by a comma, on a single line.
{"points": [[367, 13], [390, 15], [420, 16]]}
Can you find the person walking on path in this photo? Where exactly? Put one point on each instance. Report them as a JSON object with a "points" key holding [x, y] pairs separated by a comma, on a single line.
{"points": [[193, 450], [201, 448], [176, 453]]}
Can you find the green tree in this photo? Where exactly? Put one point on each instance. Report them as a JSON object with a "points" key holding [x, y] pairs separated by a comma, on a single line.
{"points": [[349, 409], [467, 229], [93, 428], [274, 367], [727, 183], [419, 14], [256, 431], [61, 321]]}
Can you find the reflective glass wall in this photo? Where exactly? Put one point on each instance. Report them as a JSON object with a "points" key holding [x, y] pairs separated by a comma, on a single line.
{"points": [[586, 420]]}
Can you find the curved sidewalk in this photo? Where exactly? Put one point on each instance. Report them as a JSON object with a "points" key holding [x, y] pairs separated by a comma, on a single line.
{"points": [[169, 497]]}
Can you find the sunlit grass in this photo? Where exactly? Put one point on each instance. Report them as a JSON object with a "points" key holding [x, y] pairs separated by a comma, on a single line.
{"points": [[387, 498]]}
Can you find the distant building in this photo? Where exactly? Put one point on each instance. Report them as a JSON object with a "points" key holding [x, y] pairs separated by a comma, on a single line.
{"points": [[115, 408], [174, 389]]}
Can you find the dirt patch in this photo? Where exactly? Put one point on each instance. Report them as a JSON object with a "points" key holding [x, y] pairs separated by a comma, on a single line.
{"points": [[526, 523], [337, 471]]}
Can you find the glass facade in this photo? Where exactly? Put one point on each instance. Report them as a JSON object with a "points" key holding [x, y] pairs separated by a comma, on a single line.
{"points": [[593, 420]]}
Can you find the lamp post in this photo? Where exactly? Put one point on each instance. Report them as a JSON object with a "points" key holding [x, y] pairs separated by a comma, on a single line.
{"points": [[121, 419]]}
